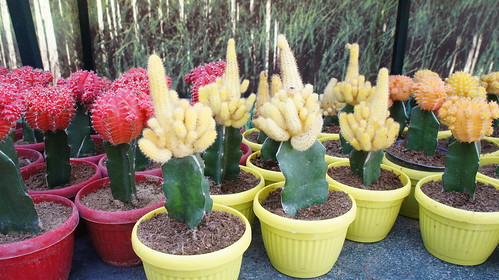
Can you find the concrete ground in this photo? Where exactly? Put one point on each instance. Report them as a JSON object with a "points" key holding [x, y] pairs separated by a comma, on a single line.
{"points": [[400, 256]]}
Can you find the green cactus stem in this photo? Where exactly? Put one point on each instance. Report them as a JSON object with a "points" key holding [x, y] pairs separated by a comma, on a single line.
{"points": [[186, 189], [366, 165], [17, 211], [346, 148], [304, 171], [330, 120], [461, 166], [121, 168], [29, 134], [222, 157], [398, 113], [57, 157], [422, 134], [269, 149], [79, 131], [141, 160], [261, 137]]}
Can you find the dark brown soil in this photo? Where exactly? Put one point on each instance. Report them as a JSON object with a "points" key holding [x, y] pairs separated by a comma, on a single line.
{"points": [[332, 128], [245, 181], [487, 147], [51, 215], [79, 173], [24, 161], [252, 136], [418, 157], [486, 197], [216, 231], [337, 204], [271, 165], [489, 170], [387, 181], [333, 148], [148, 192]]}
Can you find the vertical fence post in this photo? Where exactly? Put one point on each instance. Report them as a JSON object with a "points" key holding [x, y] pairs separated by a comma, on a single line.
{"points": [[86, 38], [403, 11], [24, 29]]}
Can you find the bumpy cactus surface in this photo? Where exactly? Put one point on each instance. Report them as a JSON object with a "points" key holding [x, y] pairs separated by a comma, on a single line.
{"points": [[203, 75], [400, 91], [491, 82], [465, 85], [179, 130]]}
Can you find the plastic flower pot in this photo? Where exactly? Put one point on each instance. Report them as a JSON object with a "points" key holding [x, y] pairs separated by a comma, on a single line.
{"points": [[221, 264], [47, 256], [243, 201], [270, 176], [110, 232], [300, 248], [492, 154], [454, 235], [255, 147], [488, 161], [68, 192], [246, 153], [376, 210], [35, 146], [103, 169], [34, 156], [330, 136]]}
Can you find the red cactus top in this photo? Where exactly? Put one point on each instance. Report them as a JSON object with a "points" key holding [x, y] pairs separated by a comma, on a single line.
{"points": [[27, 77], [203, 75], [119, 116], [135, 79], [11, 107], [86, 86], [50, 108]]}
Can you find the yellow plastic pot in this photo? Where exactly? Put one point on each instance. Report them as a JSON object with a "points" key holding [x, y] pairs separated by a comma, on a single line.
{"points": [[254, 146], [243, 201], [299, 248], [487, 161], [270, 177], [326, 137], [376, 210], [493, 154], [454, 235], [221, 264]]}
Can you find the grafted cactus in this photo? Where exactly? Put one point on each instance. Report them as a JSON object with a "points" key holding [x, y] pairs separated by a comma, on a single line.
{"points": [[329, 103], [119, 117], [179, 130], [465, 85], [203, 75], [469, 119], [491, 83], [400, 90], [50, 110]]}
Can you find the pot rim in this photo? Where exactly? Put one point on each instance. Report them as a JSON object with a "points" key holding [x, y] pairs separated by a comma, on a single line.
{"points": [[236, 198]]}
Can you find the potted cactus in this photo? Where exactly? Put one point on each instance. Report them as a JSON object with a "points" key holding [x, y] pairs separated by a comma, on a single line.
{"points": [[29, 244], [50, 110], [119, 116], [453, 227], [177, 133], [231, 112], [292, 120]]}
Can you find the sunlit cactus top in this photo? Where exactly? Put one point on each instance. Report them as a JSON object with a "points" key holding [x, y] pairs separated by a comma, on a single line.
{"points": [[465, 85], [369, 127], [177, 128], [420, 74], [50, 108], [469, 119], [224, 96], [491, 82], [86, 86], [430, 92], [400, 87], [329, 103], [203, 75], [291, 114], [11, 107], [119, 116], [263, 93], [135, 79]]}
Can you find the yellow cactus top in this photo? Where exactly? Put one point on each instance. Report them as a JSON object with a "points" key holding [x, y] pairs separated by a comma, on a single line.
{"points": [[354, 89], [275, 84], [263, 93], [330, 106], [291, 114], [469, 119], [420, 74], [177, 128], [465, 85], [224, 96], [369, 127], [430, 92], [491, 82]]}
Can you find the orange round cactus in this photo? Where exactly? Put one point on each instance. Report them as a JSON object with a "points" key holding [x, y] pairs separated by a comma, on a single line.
{"points": [[50, 108], [465, 85], [119, 116], [430, 93], [469, 119], [11, 107], [400, 87], [419, 75]]}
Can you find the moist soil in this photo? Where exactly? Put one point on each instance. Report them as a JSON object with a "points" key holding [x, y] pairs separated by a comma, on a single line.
{"points": [[387, 180], [333, 148], [337, 204], [245, 181], [331, 128], [489, 170], [51, 215], [149, 192], [487, 147], [486, 198], [417, 157], [79, 173], [216, 231], [271, 165], [253, 137]]}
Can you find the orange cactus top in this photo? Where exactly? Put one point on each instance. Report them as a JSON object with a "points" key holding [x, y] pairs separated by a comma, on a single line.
{"points": [[400, 87], [430, 92]]}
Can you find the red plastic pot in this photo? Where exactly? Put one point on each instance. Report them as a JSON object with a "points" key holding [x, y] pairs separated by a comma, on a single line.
{"points": [[68, 192], [35, 156], [111, 232], [103, 169], [36, 146], [246, 153], [47, 256], [94, 159]]}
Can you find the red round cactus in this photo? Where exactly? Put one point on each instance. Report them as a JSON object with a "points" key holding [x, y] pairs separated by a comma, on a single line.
{"points": [[11, 107], [135, 79], [86, 86], [27, 77], [3, 71], [203, 75], [50, 108], [119, 116]]}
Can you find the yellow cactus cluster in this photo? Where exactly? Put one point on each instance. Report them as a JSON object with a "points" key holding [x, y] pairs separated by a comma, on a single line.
{"points": [[355, 88], [430, 92], [263, 93], [465, 85], [329, 104], [491, 82], [369, 127], [177, 128], [469, 119], [224, 96], [291, 113], [420, 74]]}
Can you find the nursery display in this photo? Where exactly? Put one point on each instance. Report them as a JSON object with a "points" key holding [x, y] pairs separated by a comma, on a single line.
{"points": [[176, 134]]}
